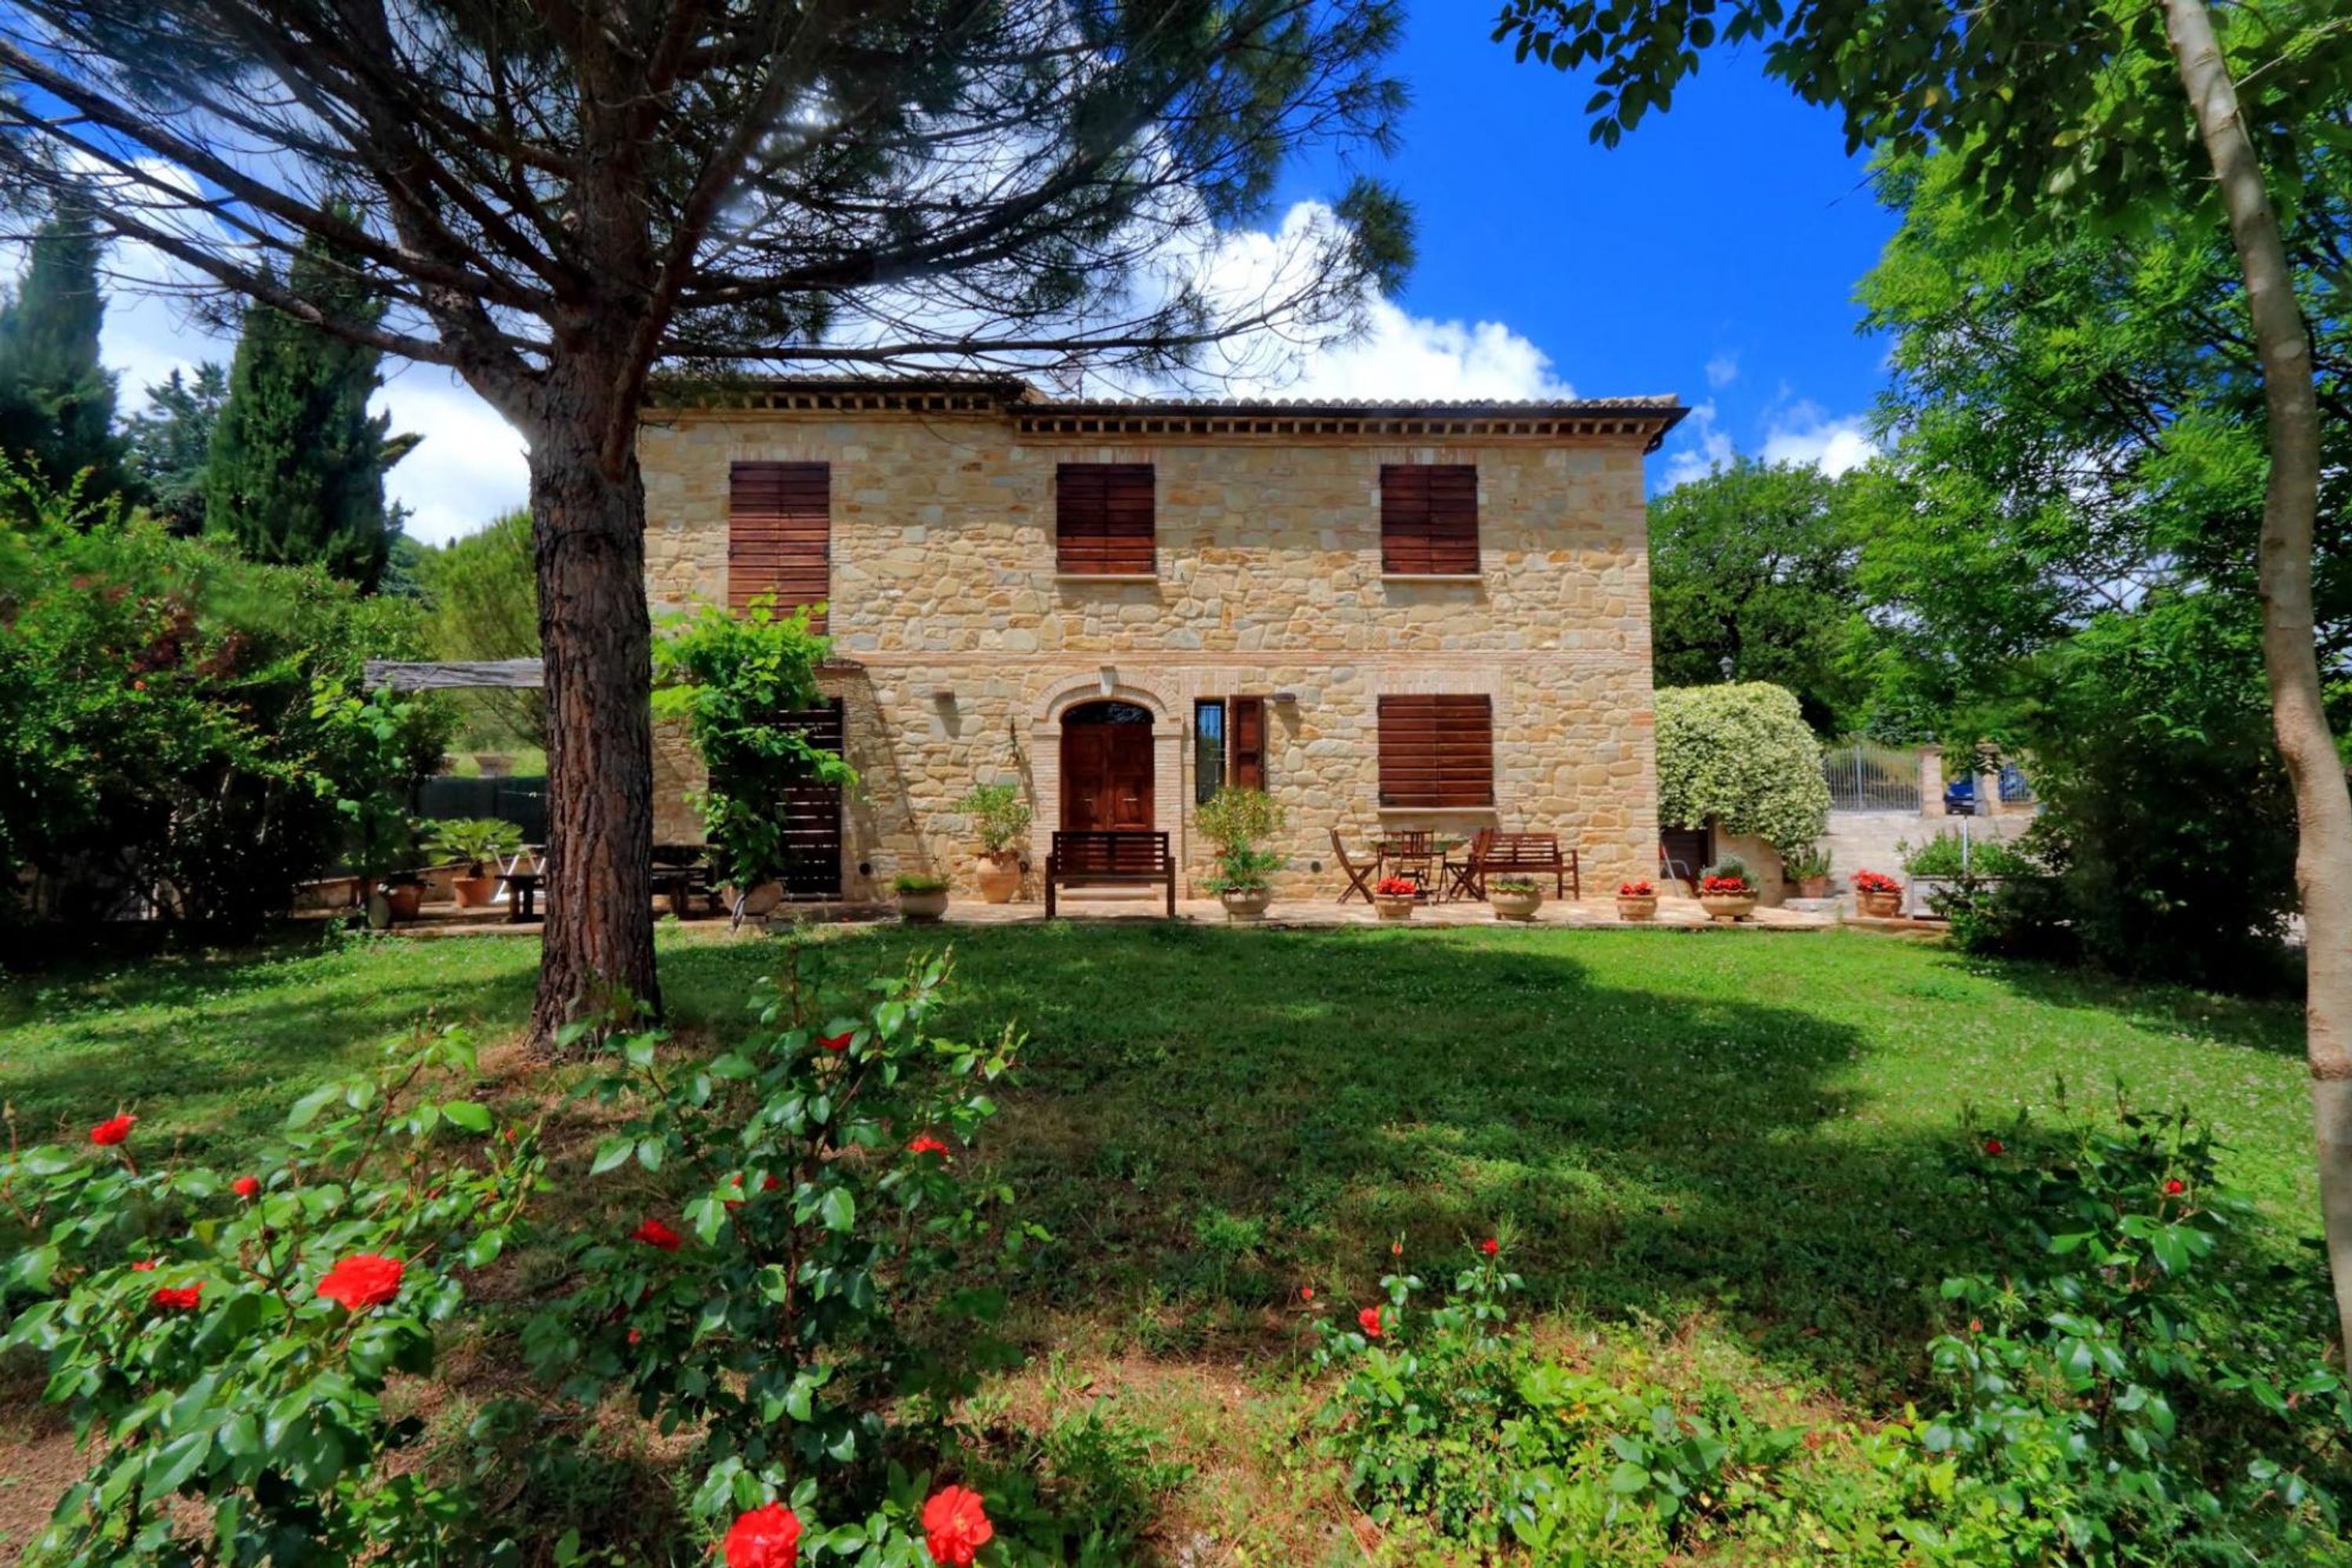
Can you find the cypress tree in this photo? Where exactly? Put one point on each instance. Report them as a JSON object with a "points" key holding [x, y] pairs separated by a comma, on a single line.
{"points": [[57, 402], [296, 466]]}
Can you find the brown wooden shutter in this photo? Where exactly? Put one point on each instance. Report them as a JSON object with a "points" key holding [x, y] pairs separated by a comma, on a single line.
{"points": [[1429, 518], [1437, 752], [780, 535], [1103, 519], [1246, 718]]}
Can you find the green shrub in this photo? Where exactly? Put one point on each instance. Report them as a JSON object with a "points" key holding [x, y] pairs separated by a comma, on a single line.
{"points": [[1742, 757], [918, 882], [999, 815], [1237, 821]]}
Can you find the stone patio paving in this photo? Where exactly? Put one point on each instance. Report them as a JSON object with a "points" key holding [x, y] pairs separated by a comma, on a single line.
{"points": [[1683, 913]]}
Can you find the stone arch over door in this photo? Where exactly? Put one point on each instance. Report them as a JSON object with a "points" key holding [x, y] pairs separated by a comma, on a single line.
{"points": [[1167, 755]]}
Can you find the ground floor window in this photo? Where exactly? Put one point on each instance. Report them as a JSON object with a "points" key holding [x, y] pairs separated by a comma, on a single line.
{"points": [[1228, 745], [1208, 748], [1437, 752]]}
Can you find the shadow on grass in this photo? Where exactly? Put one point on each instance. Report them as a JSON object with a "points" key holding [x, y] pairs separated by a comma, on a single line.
{"points": [[1207, 1119], [2270, 1023]]}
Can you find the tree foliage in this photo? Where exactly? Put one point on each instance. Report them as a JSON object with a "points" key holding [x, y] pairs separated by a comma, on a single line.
{"points": [[295, 467], [56, 402], [1741, 756], [168, 720], [483, 597], [170, 441], [1755, 563]]}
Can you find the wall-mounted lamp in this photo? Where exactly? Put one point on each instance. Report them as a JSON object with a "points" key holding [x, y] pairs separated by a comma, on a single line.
{"points": [[943, 695], [1289, 696]]}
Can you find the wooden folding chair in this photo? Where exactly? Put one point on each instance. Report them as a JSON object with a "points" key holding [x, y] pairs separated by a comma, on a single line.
{"points": [[1360, 877], [1466, 879]]}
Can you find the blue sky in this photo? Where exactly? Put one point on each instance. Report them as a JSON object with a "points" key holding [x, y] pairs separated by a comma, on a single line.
{"points": [[1713, 254]]}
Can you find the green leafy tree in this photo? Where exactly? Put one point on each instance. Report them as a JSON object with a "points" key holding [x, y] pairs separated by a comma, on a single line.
{"points": [[2100, 107], [296, 469], [56, 402], [483, 591], [1742, 757], [170, 439], [556, 209], [1754, 564]]}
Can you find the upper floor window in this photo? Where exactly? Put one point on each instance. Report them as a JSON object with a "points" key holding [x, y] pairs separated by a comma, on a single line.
{"points": [[1429, 519], [780, 535], [1103, 519], [1437, 752]]}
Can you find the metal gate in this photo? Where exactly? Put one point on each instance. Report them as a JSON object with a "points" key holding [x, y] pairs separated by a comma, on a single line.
{"points": [[1863, 776], [812, 814]]}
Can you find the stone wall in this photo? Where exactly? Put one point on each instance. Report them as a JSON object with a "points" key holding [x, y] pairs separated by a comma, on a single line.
{"points": [[962, 647]]}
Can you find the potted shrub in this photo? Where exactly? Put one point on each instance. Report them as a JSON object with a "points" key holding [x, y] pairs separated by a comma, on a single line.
{"points": [[382, 849], [1001, 818], [1878, 895], [1393, 898], [921, 899], [1637, 901], [1515, 898], [1238, 821], [474, 842], [1807, 867], [1726, 889]]}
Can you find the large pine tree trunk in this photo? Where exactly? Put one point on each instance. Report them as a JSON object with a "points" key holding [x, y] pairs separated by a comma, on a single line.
{"points": [[588, 535], [2290, 652]]}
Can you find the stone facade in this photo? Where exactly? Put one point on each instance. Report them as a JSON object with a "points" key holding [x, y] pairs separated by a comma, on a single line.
{"points": [[959, 647]]}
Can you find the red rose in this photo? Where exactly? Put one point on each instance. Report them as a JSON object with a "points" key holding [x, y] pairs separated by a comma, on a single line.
{"points": [[1976, 1325], [1307, 1292], [1994, 1146], [837, 1043], [1370, 1319], [363, 1279], [2174, 1187], [183, 1299], [246, 1187], [145, 1266], [926, 1144], [653, 1233], [634, 1336], [112, 1131], [1490, 1247], [955, 1527], [767, 1537]]}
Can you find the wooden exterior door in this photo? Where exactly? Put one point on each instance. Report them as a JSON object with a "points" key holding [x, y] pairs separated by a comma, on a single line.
{"points": [[1107, 768], [811, 814]]}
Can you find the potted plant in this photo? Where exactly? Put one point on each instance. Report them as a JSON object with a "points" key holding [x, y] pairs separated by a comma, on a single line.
{"points": [[921, 899], [382, 849], [474, 842], [1001, 818], [1808, 866], [1877, 895], [1515, 898], [1725, 890], [1637, 901], [1237, 821], [1393, 898]]}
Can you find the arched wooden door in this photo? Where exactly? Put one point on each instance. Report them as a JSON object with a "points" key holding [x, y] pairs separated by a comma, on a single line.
{"points": [[1107, 768]]}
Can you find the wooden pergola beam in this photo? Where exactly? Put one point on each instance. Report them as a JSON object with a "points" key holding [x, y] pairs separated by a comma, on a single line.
{"points": [[408, 675]]}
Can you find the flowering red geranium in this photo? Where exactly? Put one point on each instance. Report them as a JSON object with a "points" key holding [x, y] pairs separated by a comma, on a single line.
{"points": [[1371, 1319], [1490, 1247], [1876, 882], [926, 1144], [183, 1299], [1733, 885], [768, 1537], [1398, 888], [363, 1279], [1995, 1146], [246, 1187], [1639, 888], [112, 1131], [838, 1043], [955, 1527], [653, 1233]]}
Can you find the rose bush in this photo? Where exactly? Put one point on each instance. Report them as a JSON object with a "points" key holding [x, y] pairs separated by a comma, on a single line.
{"points": [[228, 1344]]}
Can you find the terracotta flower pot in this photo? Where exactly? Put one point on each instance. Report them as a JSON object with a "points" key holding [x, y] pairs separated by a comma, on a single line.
{"points": [[923, 908], [1520, 906], [1393, 908], [1879, 906], [756, 903], [1727, 907], [474, 893], [1813, 887], [1246, 906], [998, 875], [1633, 909], [406, 899]]}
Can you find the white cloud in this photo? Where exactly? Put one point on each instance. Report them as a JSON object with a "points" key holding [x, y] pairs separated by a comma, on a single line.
{"points": [[1803, 433], [1723, 369], [1704, 448]]}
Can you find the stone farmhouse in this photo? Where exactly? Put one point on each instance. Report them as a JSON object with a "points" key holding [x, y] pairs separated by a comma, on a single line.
{"points": [[1388, 615]]}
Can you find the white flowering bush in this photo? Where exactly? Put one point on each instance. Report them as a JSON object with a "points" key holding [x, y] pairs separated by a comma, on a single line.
{"points": [[1743, 755]]}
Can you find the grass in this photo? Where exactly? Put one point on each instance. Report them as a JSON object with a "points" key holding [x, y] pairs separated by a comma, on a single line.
{"points": [[1731, 1147]]}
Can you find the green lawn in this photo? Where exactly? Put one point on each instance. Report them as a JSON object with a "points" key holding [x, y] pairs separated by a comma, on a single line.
{"points": [[1735, 1139]]}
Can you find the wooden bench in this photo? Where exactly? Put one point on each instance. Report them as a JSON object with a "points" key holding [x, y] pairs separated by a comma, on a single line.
{"points": [[680, 872], [1531, 855], [1091, 858]]}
